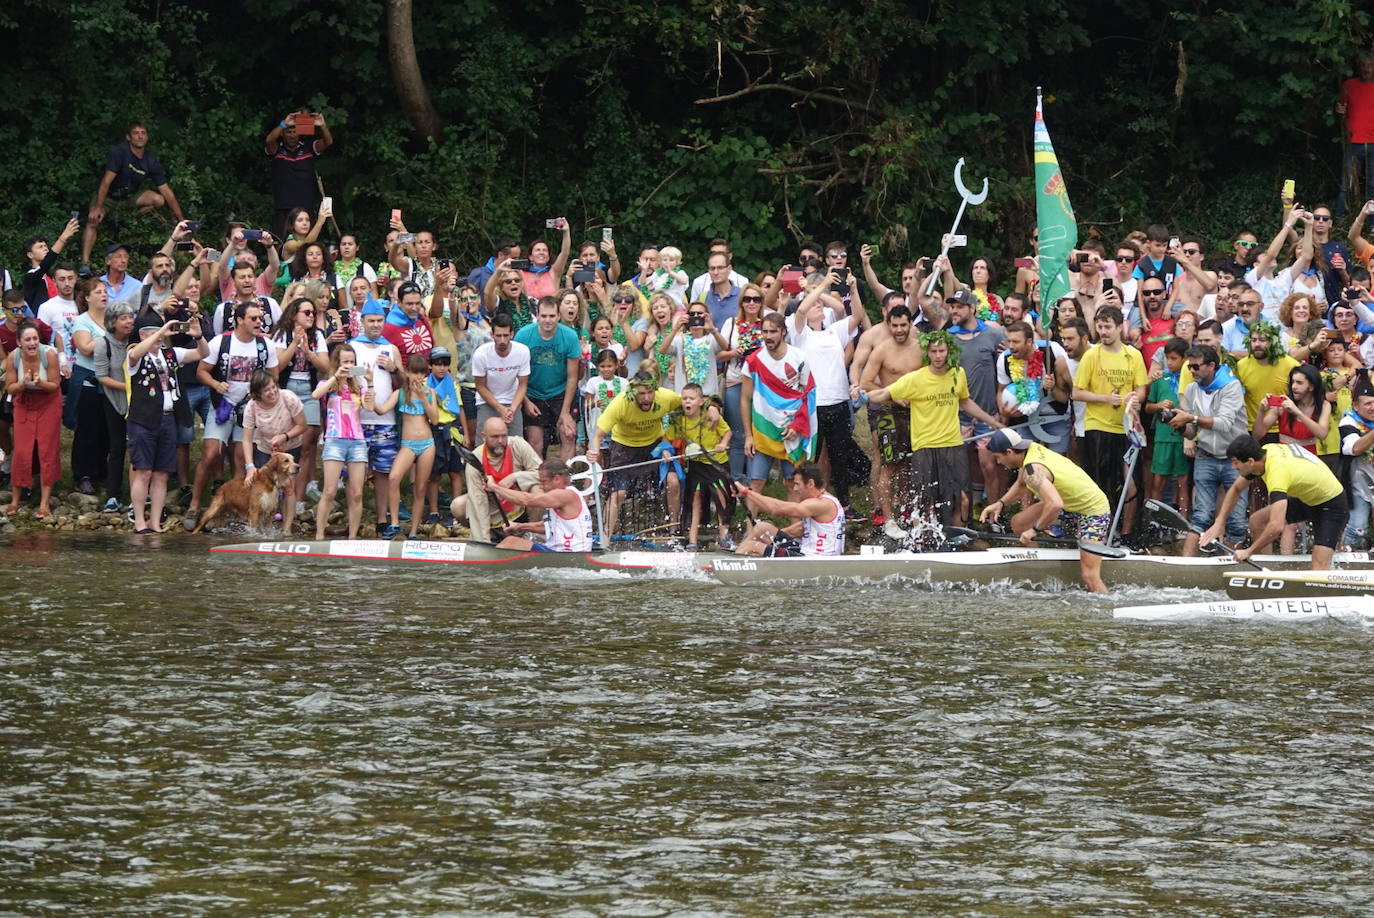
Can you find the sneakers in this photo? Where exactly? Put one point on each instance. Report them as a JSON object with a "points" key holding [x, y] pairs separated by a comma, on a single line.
{"points": [[432, 519], [725, 543], [388, 532], [312, 492], [854, 516], [111, 505], [85, 487], [83, 269], [403, 513], [188, 522], [893, 530]]}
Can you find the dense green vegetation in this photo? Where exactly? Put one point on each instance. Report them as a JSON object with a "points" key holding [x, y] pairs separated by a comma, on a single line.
{"points": [[679, 121]]}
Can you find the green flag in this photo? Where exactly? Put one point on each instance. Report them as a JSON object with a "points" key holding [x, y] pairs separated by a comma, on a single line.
{"points": [[1053, 217]]}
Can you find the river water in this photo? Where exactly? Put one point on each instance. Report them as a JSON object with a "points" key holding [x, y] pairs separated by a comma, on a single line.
{"points": [[187, 735]]}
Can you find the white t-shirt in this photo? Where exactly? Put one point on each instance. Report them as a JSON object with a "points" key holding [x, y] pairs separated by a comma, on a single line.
{"points": [[154, 357], [502, 374], [367, 354], [243, 360], [1273, 291], [300, 364], [60, 315], [699, 356], [824, 351]]}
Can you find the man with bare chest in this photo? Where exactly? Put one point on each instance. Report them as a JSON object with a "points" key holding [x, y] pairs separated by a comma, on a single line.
{"points": [[1192, 283], [890, 427]]}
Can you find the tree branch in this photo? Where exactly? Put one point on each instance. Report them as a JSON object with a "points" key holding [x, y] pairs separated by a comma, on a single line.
{"points": [[804, 94]]}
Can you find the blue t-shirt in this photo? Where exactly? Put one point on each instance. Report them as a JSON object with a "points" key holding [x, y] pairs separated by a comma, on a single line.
{"points": [[131, 171], [549, 359]]}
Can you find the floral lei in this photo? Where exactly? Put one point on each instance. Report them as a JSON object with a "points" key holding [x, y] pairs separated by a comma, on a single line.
{"points": [[1027, 375]]}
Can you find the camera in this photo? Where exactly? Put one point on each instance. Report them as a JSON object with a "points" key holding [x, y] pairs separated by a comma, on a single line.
{"points": [[1166, 415], [1352, 293], [185, 246], [696, 321], [520, 264]]}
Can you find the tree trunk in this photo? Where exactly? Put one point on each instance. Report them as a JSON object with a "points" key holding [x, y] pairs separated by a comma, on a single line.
{"points": [[411, 91]]}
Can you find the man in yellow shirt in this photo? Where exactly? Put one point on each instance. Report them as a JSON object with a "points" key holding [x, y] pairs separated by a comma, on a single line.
{"points": [[1062, 493], [1301, 490], [1264, 371], [1111, 382], [935, 393], [634, 419]]}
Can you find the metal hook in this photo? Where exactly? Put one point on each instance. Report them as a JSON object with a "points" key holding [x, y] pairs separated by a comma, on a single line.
{"points": [[963, 191]]}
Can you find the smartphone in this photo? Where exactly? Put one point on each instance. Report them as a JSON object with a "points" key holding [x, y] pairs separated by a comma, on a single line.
{"points": [[444, 264], [1173, 242], [607, 234], [250, 235], [357, 372], [958, 241], [305, 123], [791, 281], [584, 275], [212, 254], [520, 264], [406, 237], [193, 226], [181, 328], [328, 203], [185, 246], [74, 215], [1289, 188], [1274, 401], [1106, 284], [841, 284], [551, 224], [395, 216], [1023, 263]]}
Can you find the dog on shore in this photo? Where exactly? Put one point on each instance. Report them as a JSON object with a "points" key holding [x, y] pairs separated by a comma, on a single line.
{"points": [[254, 501]]}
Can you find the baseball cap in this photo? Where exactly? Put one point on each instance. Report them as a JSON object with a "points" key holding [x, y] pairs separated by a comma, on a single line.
{"points": [[439, 353], [115, 248], [1003, 441], [962, 297]]}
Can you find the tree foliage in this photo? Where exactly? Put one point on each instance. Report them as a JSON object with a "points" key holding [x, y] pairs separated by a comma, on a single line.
{"points": [[764, 123]]}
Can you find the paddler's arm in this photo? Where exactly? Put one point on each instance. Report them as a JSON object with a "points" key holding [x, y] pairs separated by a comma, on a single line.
{"points": [[797, 510], [1278, 518], [557, 499], [1014, 493], [1050, 502], [1228, 503]]}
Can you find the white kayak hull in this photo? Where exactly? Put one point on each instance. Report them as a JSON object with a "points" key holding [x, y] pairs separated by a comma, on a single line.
{"points": [[1252, 584], [1354, 609]]}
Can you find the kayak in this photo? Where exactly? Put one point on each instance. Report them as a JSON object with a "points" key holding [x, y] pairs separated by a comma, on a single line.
{"points": [[1355, 609], [1267, 584], [471, 553], [1040, 567]]}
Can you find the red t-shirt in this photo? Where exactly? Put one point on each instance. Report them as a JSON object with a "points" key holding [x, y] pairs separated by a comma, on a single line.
{"points": [[1358, 97], [9, 340], [1157, 334]]}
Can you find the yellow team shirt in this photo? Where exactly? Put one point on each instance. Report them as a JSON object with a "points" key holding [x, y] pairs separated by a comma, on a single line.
{"points": [[1076, 488], [1299, 473], [1104, 372], [702, 432], [1260, 380], [629, 426], [934, 400]]}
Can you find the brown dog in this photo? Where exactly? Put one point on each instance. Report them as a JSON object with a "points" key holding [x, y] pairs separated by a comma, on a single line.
{"points": [[255, 500]]}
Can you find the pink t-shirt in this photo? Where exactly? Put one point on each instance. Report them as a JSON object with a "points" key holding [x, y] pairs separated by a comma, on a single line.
{"points": [[341, 420]]}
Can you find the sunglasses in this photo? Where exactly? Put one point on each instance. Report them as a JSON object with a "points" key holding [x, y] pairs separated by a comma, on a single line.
{"points": [[1322, 218], [1194, 367], [1248, 245], [623, 299], [1125, 258], [469, 298], [751, 299], [305, 312], [1152, 293], [836, 254], [1192, 251]]}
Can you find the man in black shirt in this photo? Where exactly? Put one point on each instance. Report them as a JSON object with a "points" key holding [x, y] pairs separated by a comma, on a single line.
{"points": [[292, 162], [128, 167], [38, 289]]}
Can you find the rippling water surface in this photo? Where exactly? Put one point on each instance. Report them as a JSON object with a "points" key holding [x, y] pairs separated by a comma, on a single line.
{"points": [[186, 735]]}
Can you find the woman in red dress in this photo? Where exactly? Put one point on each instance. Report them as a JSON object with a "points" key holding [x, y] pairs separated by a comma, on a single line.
{"points": [[33, 386]]}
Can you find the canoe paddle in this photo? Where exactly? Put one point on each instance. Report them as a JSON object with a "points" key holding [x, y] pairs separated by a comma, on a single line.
{"points": [[722, 470], [1174, 519], [1092, 548]]}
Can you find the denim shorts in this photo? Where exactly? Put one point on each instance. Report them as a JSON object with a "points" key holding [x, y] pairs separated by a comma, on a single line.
{"points": [[760, 465], [302, 389], [341, 450]]}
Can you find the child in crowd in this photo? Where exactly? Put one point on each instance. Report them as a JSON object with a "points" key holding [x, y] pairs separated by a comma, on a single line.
{"points": [[1168, 460], [447, 433], [598, 391], [345, 444], [670, 278], [418, 410], [707, 446]]}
